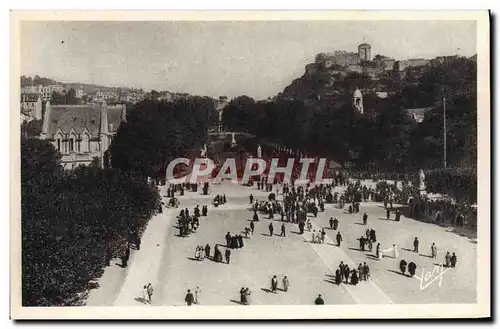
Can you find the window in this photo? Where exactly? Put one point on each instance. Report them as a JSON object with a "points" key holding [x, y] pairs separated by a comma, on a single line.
{"points": [[59, 144], [71, 145]]}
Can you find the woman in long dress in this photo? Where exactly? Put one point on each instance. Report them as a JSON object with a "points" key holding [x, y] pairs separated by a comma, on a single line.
{"points": [[247, 296], [243, 297], [354, 278]]}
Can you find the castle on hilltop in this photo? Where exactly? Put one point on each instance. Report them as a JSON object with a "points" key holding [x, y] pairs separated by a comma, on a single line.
{"points": [[360, 61], [344, 58]]}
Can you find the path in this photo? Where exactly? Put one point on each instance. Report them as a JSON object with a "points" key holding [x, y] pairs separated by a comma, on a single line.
{"points": [[146, 263], [366, 292]]}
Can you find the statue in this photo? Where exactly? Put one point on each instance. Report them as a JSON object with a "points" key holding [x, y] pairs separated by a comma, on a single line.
{"points": [[233, 140], [204, 151], [220, 115], [421, 187], [259, 152]]}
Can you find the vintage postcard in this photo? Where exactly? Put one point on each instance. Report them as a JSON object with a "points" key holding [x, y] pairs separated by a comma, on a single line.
{"points": [[250, 165]]}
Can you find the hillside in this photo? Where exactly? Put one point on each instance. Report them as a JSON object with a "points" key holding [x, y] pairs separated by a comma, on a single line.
{"points": [[87, 88], [418, 85]]}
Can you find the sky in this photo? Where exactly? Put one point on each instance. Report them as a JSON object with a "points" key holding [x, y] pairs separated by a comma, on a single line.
{"points": [[254, 58]]}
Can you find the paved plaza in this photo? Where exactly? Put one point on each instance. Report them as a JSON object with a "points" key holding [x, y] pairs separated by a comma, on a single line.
{"points": [[167, 260]]}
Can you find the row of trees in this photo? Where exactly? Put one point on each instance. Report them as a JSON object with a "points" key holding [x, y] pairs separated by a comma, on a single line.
{"points": [[385, 137], [156, 132], [66, 98], [72, 220]]}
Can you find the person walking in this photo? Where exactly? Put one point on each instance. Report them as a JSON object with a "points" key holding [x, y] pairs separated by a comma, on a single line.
{"points": [[274, 284], [365, 219], [323, 236], [415, 245], [354, 278], [402, 266], [189, 299], [197, 292], [335, 223], [331, 223], [283, 230], [338, 276], [286, 283], [447, 259], [366, 272], [228, 255], [252, 226], [347, 270], [319, 300], [453, 260], [207, 251], [412, 267], [243, 297], [145, 293], [251, 199], [433, 250], [271, 229], [150, 292], [339, 239], [370, 244], [360, 272]]}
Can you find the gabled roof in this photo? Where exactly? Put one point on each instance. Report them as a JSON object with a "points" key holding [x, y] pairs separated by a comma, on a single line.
{"points": [[82, 117], [67, 117]]}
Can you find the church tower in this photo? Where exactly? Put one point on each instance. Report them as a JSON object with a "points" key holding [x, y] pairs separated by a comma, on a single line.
{"points": [[358, 100]]}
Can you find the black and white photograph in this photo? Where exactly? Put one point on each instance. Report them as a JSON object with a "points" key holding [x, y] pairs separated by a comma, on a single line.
{"points": [[234, 165]]}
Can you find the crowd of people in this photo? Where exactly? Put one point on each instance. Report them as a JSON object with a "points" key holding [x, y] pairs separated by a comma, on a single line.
{"points": [[187, 223], [298, 201], [352, 276], [219, 200]]}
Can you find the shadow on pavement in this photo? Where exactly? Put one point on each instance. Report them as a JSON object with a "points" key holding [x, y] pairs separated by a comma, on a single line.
{"points": [[398, 273], [235, 301], [330, 281], [266, 290], [425, 255], [141, 300], [194, 259]]}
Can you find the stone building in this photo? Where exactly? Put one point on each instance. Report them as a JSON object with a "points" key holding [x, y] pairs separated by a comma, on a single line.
{"points": [[31, 107], [365, 52], [81, 132]]}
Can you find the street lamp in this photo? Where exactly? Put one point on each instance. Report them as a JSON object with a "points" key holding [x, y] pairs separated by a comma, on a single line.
{"points": [[444, 129]]}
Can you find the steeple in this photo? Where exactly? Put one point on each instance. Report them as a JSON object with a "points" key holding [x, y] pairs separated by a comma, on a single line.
{"points": [[104, 130]]}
